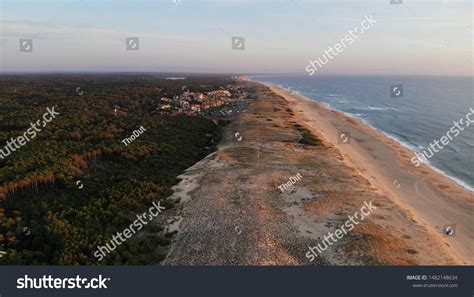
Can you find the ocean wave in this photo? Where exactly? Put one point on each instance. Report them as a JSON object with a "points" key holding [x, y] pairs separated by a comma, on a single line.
{"points": [[370, 108], [377, 108], [329, 106], [456, 180], [414, 148], [358, 113], [417, 148]]}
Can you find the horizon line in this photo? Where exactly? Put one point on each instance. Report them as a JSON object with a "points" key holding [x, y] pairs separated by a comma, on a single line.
{"points": [[224, 73]]}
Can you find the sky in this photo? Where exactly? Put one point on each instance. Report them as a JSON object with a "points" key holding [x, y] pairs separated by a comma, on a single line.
{"points": [[417, 37]]}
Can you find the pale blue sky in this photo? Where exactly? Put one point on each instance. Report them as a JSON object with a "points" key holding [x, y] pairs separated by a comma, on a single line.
{"points": [[416, 37]]}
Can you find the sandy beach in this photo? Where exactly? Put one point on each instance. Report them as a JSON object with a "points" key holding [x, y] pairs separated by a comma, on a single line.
{"points": [[233, 213], [431, 198]]}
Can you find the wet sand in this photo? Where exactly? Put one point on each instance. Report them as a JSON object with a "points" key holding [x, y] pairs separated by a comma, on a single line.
{"points": [[232, 212]]}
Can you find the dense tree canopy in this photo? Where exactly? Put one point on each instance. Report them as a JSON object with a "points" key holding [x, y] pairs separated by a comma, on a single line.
{"points": [[38, 190]]}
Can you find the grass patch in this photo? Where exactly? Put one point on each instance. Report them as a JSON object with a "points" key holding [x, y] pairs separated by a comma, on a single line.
{"points": [[307, 137]]}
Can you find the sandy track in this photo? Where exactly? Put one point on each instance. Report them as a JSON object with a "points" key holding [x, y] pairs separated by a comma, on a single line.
{"points": [[233, 213]]}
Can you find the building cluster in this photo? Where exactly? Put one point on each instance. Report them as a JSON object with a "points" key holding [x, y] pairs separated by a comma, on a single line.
{"points": [[204, 103]]}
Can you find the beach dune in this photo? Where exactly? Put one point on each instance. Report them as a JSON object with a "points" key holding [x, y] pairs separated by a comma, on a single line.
{"points": [[234, 211], [432, 199]]}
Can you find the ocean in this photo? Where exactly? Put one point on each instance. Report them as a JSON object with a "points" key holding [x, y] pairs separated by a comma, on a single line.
{"points": [[420, 111]]}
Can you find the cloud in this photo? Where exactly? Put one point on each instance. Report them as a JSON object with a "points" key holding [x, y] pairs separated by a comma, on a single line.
{"points": [[47, 30]]}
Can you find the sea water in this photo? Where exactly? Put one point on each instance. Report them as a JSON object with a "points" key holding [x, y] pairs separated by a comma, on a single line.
{"points": [[423, 113]]}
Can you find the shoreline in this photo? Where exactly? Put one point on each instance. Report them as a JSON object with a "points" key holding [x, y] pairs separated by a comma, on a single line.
{"points": [[454, 179], [234, 213], [432, 198], [410, 147]]}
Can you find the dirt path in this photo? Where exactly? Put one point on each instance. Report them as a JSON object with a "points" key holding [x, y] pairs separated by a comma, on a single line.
{"points": [[232, 212]]}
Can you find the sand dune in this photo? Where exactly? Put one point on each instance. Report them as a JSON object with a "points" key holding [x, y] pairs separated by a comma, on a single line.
{"points": [[432, 199], [232, 212]]}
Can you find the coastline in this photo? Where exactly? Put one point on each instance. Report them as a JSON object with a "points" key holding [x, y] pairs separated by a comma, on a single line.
{"points": [[433, 199], [234, 212], [409, 146]]}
